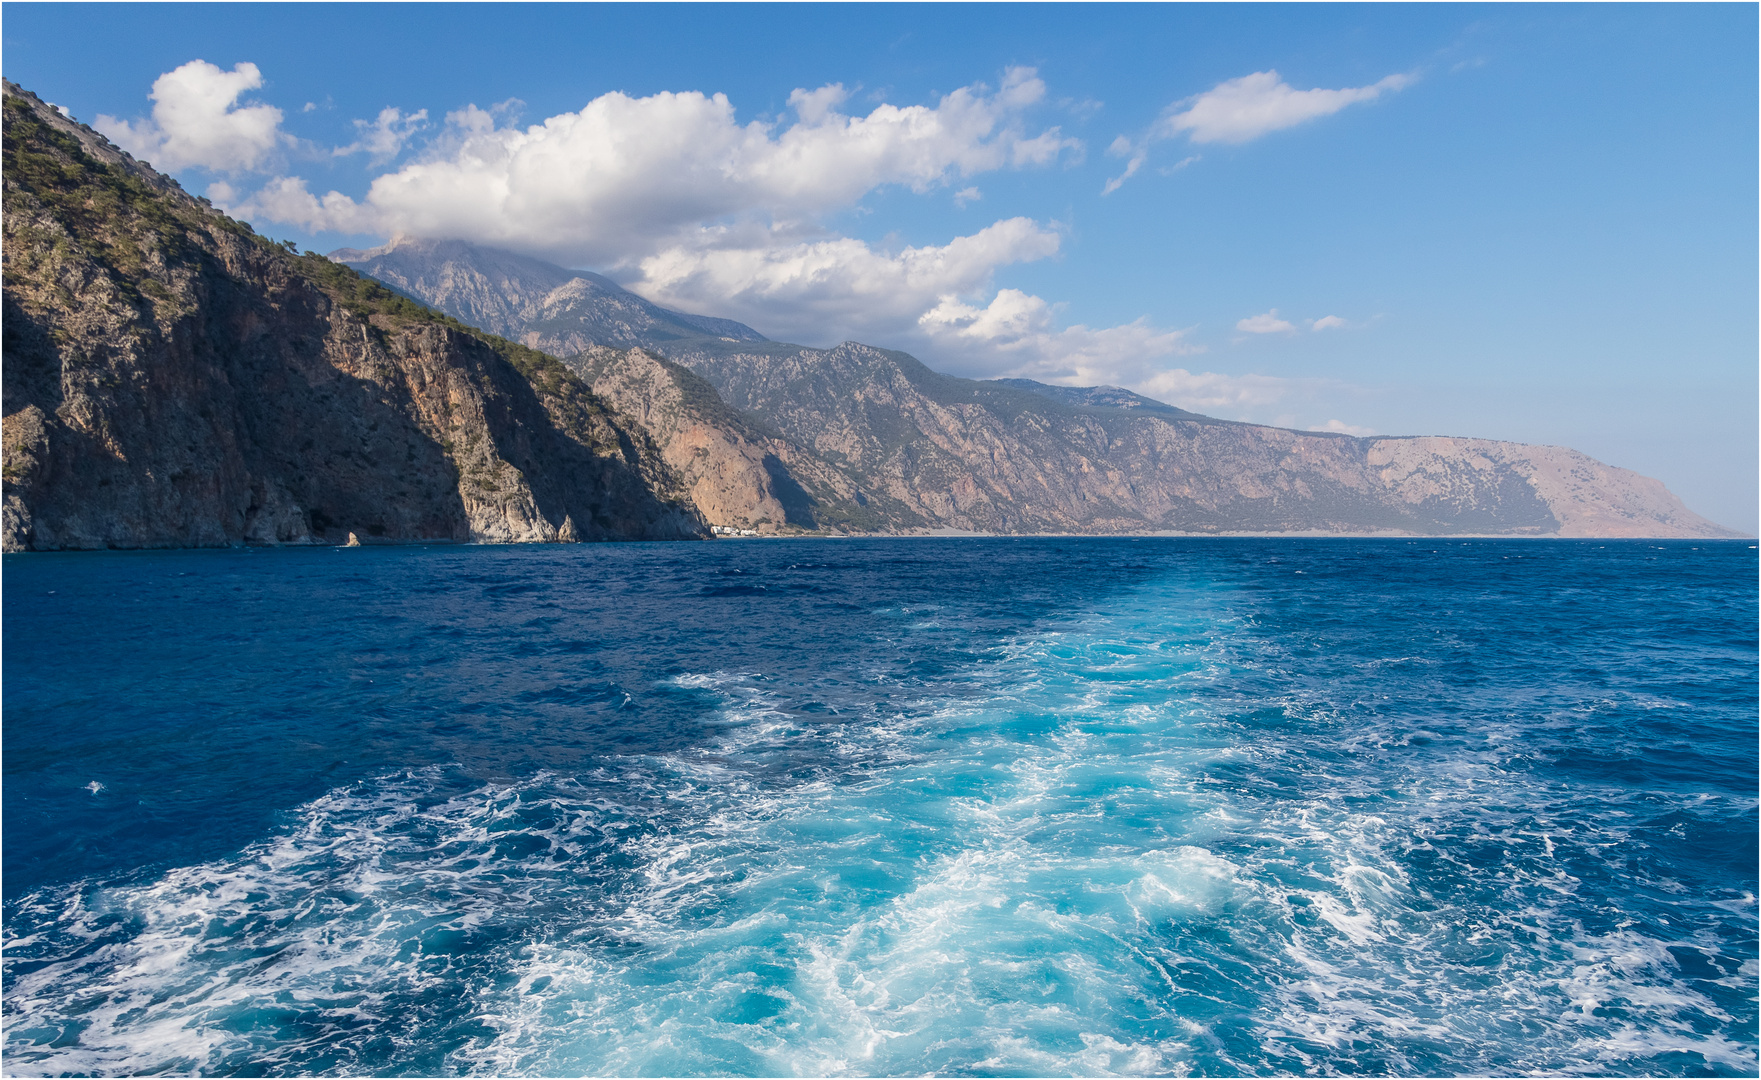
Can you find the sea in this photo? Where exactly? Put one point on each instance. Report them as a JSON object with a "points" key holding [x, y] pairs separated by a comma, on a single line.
{"points": [[964, 806]]}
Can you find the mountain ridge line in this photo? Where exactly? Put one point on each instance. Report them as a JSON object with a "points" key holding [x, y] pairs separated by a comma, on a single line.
{"points": [[969, 472]]}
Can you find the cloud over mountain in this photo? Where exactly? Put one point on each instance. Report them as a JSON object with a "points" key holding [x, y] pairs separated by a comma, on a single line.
{"points": [[700, 211], [694, 208], [800, 287], [625, 177]]}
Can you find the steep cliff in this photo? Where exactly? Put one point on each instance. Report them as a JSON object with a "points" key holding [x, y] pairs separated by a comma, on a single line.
{"points": [[739, 474], [171, 379]]}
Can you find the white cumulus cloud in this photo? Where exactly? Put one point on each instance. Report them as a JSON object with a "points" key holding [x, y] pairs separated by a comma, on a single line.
{"points": [[625, 178], [285, 199], [693, 208], [1266, 323], [932, 301], [197, 121], [808, 287], [1016, 334], [1329, 322]]}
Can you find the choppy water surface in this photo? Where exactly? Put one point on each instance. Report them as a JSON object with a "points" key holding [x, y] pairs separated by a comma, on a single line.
{"points": [[991, 807]]}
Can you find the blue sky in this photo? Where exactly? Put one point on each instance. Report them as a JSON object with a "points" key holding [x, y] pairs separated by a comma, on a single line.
{"points": [[1522, 222]]}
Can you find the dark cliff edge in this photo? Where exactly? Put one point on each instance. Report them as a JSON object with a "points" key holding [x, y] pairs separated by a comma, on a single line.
{"points": [[172, 379]]}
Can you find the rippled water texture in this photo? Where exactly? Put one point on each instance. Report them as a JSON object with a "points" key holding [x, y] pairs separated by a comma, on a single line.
{"points": [[989, 807]]}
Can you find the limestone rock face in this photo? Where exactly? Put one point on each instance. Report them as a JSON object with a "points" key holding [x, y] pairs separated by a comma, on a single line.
{"points": [[739, 475], [172, 380]]}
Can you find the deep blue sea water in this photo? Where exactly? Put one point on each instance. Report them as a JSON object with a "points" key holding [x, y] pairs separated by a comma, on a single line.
{"points": [[983, 807]]}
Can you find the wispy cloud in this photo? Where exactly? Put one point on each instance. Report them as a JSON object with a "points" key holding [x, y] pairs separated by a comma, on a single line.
{"points": [[1244, 109], [1241, 110], [385, 136], [1136, 154], [1211, 392], [1265, 323]]}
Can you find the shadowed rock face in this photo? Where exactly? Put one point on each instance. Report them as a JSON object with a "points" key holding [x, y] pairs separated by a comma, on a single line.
{"points": [[172, 380], [866, 438]]}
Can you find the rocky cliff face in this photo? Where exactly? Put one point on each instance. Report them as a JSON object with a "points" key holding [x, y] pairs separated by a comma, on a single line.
{"points": [[170, 379], [739, 474]]}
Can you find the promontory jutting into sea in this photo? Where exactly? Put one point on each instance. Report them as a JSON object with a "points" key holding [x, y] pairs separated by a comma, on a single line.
{"points": [[1009, 722]]}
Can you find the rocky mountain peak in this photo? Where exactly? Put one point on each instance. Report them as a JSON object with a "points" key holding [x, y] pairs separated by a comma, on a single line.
{"points": [[540, 304]]}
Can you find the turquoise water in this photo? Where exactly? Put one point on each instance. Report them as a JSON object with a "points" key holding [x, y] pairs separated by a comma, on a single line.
{"points": [[995, 807]]}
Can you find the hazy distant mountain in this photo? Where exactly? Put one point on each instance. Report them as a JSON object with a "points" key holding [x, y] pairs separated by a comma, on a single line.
{"points": [[536, 303], [867, 438], [1011, 456]]}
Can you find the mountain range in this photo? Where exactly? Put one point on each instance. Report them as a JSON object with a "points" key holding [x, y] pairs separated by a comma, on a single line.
{"points": [[859, 437], [171, 378]]}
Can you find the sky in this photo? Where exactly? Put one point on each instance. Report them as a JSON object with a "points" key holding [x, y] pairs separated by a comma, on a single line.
{"points": [[1525, 222]]}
